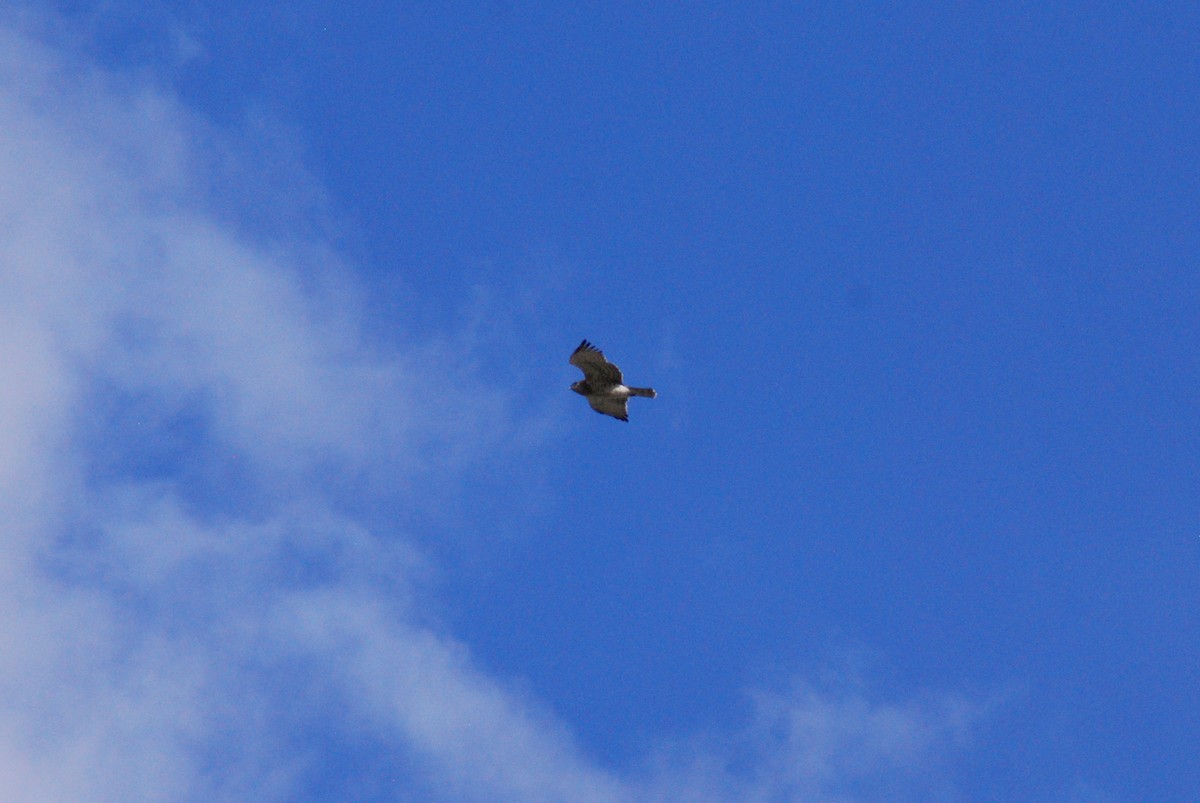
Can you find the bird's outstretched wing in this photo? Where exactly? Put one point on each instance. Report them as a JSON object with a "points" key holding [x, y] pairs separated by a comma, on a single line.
{"points": [[597, 370], [610, 405]]}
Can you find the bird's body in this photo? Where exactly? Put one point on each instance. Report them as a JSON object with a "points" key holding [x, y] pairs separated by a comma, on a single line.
{"points": [[602, 384]]}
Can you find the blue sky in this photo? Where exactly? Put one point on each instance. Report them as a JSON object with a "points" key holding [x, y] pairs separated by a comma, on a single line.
{"points": [[295, 503]]}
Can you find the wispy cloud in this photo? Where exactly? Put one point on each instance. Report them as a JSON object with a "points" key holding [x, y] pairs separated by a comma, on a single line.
{"points": [[827, 744], [192, 419]]}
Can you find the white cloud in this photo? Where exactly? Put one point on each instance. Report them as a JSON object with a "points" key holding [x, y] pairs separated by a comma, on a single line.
{"points": [[157, 624], [827, 745], [188, 604]]}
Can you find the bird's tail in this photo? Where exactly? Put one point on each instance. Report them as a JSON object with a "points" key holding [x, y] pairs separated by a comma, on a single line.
{"points": [[647, 392]]}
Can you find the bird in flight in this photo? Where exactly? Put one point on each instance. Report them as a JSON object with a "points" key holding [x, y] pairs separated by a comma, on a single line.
{"points": [[602, 384]]}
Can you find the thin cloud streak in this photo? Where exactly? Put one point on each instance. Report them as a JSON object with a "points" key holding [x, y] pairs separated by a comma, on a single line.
{"points": [[191, 603], [802, 743]]}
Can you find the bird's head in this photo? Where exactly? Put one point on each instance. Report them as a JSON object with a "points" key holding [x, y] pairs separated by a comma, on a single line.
{"points": [[578, 388]]}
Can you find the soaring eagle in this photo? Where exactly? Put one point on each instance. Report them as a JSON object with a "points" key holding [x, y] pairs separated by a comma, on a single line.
{"points": [[602, 384]]}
